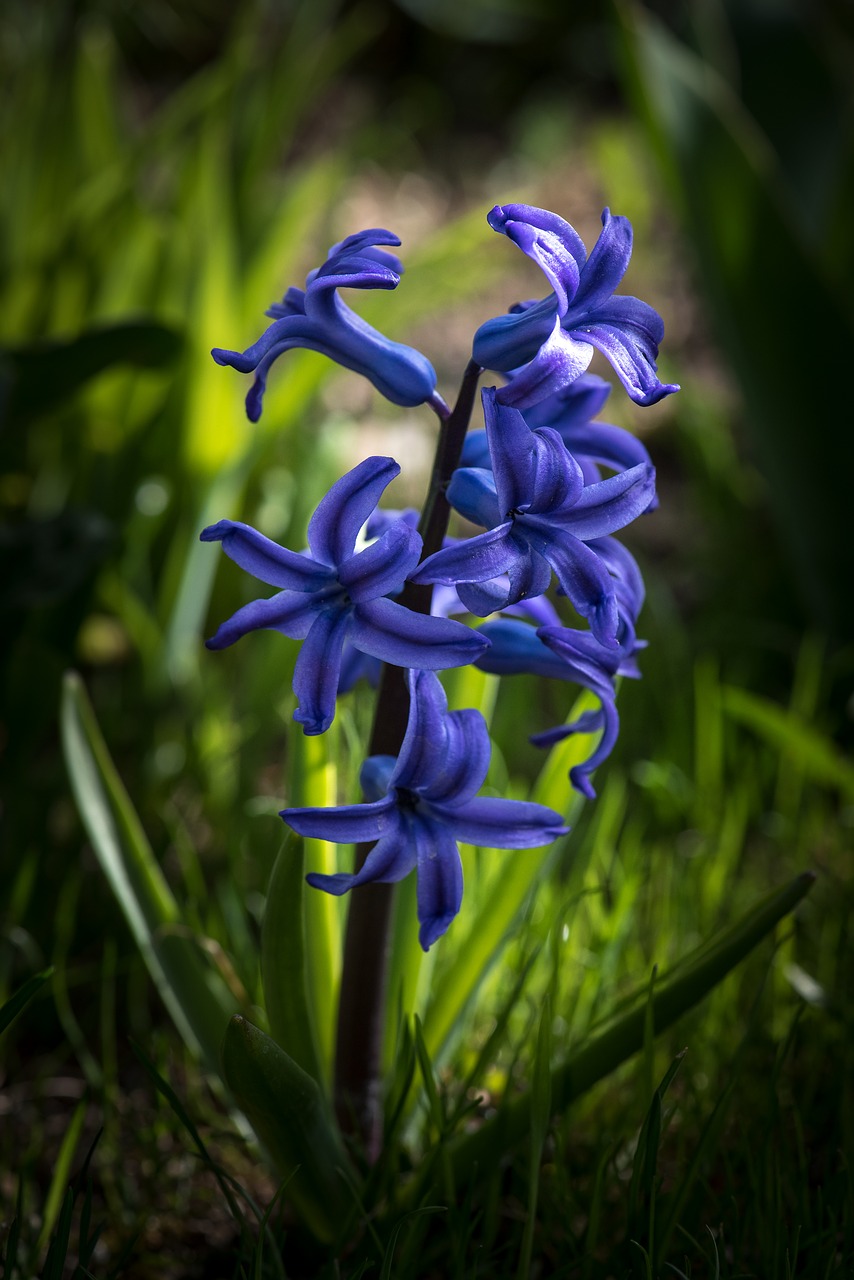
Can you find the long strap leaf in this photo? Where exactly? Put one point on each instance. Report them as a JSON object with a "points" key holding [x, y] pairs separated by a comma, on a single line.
{"points": [[287, 1110], [193, 991], [616, 1043]]}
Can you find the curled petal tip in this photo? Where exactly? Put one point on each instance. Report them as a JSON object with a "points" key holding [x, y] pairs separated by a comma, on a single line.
{"points": [[432, 930], [313, 728], [215, 532], [658, 393], [580, 780]]}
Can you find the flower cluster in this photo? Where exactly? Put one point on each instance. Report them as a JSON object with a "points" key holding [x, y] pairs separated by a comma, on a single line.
{"points": [[532, 479]]}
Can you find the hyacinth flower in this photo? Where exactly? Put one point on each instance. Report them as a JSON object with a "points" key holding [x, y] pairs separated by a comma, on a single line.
{"points": [[571, 655], [420, 804], [569, 412], [554, 651], [334, 593], [317, 319], [539, 515], [547, 344]]}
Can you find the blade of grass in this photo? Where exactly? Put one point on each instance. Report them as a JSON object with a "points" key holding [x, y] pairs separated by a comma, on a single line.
{"points": [[197, 998], [606, 1050], [286, 1109], [314, 783], [22, 997], [801, 742], [540, 1113], [164, 1087], [283, 960], [58, 1252], [58, 1191]]}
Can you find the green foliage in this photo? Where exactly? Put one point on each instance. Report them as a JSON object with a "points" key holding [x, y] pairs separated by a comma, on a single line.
{"points": [[192, 989], [128, 251], [753, 196], [287, 1111]]}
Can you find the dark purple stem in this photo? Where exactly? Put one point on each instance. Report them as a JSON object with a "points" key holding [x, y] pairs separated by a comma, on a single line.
{"points": [[361, 1006]]}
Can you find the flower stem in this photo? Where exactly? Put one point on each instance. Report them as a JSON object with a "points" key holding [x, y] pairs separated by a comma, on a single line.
{"points": [[361, 1007]]}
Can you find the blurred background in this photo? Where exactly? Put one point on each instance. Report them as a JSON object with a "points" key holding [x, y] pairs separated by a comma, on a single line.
{"points": [[168, 170]]}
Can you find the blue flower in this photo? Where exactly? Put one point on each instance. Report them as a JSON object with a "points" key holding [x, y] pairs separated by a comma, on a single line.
{"points": [[316, 318], [550, 343], [565, 653], [539, 516], [568, 412], [421, 803], [333, 593]]}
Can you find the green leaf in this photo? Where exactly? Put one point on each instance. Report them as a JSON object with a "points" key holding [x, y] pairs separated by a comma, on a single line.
{"points": [[22, 997], [314, 784], [286, 1109], [613, 1045], [740, 214], [540, 1112], [787, 731], [283, 966], [192, 989], [645, 1163], [59, 1191]]}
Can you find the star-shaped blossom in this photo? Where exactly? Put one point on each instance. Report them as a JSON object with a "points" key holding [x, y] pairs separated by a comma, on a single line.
{"points": [[570, 655], [334, 593], [549, 343], [539, 515], [565, 653], [421, 803], [317, 319], [569, 412]]}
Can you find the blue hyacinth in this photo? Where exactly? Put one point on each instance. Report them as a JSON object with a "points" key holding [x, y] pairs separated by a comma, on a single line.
{"points": [[533, 478]]}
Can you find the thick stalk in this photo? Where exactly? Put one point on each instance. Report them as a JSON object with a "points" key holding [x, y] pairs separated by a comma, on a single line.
{"points": [[361, 1008]]}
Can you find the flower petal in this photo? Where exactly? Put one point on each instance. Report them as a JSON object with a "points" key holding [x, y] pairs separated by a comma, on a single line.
{"points": [[628, 331], [585, 579], [560, 360], [484, 598], [577, 402], [517, 649], [375, 776], [425, 731], [349, 271], [548, 240], [604, 443], [344, 823], [388, 630], [512, 446], [477, 559], [607, 263], [529, 576], [460, 768], [440, 879], [265, 559], [317, 668], [383, 567], [624, 567], [494, 823], [291, 612], [611, 504], [335, 525], [472, 493], [506, 342], [476, 453], [391, 858], [558, 479]]}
